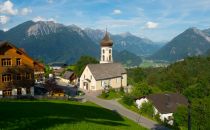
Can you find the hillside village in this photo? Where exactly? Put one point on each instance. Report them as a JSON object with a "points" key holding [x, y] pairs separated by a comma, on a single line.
{"points": [[22, 77]]}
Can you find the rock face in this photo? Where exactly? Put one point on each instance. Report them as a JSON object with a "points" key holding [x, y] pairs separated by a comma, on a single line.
{"points": [[192, 42]]}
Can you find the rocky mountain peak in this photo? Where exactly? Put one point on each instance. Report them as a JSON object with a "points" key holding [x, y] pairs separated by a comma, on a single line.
{"points": [[42, 28]]}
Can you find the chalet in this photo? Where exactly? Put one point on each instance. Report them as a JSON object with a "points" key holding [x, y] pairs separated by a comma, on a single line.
{"points": [[58, 72], [107, 73], [70, 77], [164, 104], [18, 71]]}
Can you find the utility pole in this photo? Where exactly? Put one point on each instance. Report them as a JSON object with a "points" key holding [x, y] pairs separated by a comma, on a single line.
{"points": [[189, 116]]}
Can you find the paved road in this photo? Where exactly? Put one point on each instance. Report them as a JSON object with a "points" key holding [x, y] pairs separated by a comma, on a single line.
{"points": [[115, 106]]}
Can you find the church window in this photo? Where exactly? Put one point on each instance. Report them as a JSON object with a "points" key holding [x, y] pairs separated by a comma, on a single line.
{"points": [[110, 51], [103, 58], [103, 51], [110, 58]]}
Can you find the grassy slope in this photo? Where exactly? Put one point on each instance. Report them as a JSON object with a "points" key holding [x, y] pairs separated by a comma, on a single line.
{"points": [[60, 115]]}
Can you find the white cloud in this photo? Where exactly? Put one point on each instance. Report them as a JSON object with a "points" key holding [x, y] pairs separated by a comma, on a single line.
{"points": [[39, 18], [4, 19], [151, 25], [116, 11], [25, 11], [7, 8]]}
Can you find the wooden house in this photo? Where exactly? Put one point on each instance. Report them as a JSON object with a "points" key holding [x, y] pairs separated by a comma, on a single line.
{"points": [[18, 71]]}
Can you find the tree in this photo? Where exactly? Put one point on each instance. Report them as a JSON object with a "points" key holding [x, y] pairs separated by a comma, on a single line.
{"points": [[82, 62], [181, 116], [147, 108], [50, 85], [48, 70], [141, 89]]}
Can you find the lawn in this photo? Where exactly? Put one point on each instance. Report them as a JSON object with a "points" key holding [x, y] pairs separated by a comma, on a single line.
{"points": [[58, 115]]}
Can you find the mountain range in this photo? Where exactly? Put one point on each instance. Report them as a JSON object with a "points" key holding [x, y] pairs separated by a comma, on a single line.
{"points": [[192, 42], [126, 41], [54, 42]]}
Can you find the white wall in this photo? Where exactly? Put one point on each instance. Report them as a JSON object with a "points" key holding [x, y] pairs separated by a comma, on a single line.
{"points": [[23, 91], [14, 92], [106, 55], [139, 102], [1, 92], [87, 75]]}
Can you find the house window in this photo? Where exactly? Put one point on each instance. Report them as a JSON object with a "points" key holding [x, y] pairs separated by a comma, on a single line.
{"points": [[7, 92], [18, 60], [28, 91], [19, 91], [18, 77], [6, 62], [27, 76], [103, 51], [6, 78], [110, 51]]}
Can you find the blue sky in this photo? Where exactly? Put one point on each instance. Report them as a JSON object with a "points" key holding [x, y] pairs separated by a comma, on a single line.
{"points": [[158, 20]]}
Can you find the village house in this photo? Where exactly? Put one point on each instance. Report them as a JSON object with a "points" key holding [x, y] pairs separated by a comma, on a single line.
{"points": [[69, 77], [164, 104], [18, 71], [105, 74]]}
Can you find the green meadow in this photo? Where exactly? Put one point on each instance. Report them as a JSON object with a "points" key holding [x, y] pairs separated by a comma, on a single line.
{"points": [[60, 115]]}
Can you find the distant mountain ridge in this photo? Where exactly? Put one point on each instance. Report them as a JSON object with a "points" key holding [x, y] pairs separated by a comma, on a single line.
{"points": [[51, 41], [126, 41], [192, 42], [56, 42]]}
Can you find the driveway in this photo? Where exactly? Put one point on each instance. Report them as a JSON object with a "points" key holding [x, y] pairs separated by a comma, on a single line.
{"points": [[115, 106]]}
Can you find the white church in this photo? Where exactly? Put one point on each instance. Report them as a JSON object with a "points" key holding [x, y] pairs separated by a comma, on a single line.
{"points": [[107, 73]]}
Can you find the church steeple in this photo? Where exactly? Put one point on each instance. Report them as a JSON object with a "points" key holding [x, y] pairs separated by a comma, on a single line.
{"points": [[106, 49]]}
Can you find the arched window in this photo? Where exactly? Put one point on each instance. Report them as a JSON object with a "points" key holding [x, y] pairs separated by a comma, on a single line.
{"points": [[103, 58]]}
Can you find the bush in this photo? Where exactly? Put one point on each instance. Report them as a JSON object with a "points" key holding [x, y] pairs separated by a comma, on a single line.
{"points": [[147, 108], [128, 100], [104, 94]]}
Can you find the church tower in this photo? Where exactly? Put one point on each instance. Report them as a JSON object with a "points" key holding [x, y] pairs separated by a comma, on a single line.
{"points": [[106, 49]]}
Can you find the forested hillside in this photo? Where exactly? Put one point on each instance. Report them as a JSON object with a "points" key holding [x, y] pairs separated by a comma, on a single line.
{"points": [[190, 77]]}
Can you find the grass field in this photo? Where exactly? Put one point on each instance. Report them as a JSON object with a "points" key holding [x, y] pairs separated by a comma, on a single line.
{"points": [[60, 115]]}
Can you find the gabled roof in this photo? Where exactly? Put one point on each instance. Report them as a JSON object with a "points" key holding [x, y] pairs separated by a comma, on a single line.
{"points": [[68, 74], [167, 103], [3, 43], [106, 70]]}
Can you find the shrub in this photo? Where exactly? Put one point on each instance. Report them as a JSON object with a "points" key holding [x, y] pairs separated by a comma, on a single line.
{"points": [[128, 99], [104, 94], [147, 108]]}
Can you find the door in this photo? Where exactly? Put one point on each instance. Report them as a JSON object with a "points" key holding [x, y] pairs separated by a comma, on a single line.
{"points": [[86, 85]]}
